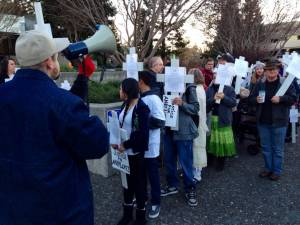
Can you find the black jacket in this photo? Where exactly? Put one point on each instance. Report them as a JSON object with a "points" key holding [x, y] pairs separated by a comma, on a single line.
{"points": [[226, 105], [280, 111], [139, 137]]}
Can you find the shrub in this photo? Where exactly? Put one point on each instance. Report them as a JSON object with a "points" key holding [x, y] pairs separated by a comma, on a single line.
{"points": [[104, 92], [66, 68]]}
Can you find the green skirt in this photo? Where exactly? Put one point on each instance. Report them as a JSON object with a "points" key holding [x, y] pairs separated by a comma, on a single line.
{"points": [[221, 141]]}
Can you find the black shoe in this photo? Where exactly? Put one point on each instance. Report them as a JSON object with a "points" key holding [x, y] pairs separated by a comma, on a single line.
{"points": [[168, 191], [274, 177], [140, 217], [264, 174], [191, 198], [127, 215]]}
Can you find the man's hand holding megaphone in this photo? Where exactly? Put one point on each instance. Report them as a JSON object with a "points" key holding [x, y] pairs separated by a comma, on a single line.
{"points": [[85, 66]]}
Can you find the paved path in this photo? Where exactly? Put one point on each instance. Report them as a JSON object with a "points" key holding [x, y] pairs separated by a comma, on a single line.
{"points": [[236, 196]]}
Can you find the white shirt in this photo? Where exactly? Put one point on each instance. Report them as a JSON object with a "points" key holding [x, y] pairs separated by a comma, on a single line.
{"points": [[127, 125], [156, 108]]}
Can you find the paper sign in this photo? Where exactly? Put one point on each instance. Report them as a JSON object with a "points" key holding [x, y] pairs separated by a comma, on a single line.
{"points": [[294, 71], [294, 66], [132, 66], [294, 115], [174, 79], [241, 67], [223, 75], [171, 110], [120, 161], [114, 129]]}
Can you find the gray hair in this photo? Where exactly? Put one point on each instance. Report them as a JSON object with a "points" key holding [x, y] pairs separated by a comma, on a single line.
{"points": [[152, 61]]}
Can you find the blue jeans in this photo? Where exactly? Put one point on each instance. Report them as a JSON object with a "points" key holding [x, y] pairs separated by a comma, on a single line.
{"points": [[184, 150], [272, 140]]}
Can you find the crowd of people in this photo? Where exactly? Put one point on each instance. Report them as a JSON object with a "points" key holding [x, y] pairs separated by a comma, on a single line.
{"points": [[47, 134]]}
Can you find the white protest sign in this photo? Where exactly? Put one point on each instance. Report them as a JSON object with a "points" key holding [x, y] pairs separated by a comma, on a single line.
{"points": [[120, 161], [174, 79], [294, 117], [114, 129], [118, 135], [286, 59], [224, 77], [132, 66], [40, 24], [241, 69], [294, 71], [43, 27], [171, 110]]}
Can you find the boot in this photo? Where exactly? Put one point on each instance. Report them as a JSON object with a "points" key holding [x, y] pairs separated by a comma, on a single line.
{"points": [[140, 217], [127, 214], [220, 163], [210, 160]]}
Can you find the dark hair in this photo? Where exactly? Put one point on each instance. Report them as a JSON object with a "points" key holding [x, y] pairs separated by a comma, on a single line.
{"points": [[145, 76], [209, 59], [228, 58], [3, 66], [130, 87]]}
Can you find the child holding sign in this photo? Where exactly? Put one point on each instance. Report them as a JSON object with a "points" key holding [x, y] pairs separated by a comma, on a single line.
{"points": [[134, 119]]}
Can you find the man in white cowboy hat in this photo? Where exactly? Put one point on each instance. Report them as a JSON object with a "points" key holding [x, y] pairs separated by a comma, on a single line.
{"points": [[46, 134]]}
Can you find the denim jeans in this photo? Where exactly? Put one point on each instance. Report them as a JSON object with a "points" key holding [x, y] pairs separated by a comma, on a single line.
{"points": [[152, 170], [184, 151], [272, 140]]}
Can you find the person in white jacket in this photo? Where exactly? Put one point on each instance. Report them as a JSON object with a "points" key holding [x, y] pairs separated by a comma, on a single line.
{"points": [[156, 122], [199, 144]]}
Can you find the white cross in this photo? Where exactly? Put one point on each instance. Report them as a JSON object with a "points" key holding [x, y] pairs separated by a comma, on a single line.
{"points": [[286, 59], [224, 77], [175, 80], [294, 71], [40, 24], [132, 66], [241, 69]]}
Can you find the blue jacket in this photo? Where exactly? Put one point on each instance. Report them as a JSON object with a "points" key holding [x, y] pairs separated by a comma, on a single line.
{"points": [[46, 134]]}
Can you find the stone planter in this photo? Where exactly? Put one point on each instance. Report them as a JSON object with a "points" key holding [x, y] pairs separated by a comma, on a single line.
{"points": [[102, 166]]}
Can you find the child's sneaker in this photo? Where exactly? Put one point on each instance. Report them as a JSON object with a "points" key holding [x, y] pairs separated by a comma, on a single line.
{"points": [[191, 198], [168, 191], [154, 211]]}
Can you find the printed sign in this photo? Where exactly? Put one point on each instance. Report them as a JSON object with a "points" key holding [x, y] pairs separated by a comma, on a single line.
{"points": [[120, 161], [171, 110]]}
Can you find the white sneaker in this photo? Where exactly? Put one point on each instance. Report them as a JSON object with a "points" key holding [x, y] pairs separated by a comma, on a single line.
{"points": [[197, 174]]}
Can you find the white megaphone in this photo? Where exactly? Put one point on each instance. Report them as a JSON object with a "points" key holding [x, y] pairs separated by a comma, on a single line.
{"points": [[102, 41]]}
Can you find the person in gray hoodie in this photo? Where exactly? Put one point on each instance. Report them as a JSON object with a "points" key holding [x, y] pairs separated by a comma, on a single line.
{"points": [[180, 143]]}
